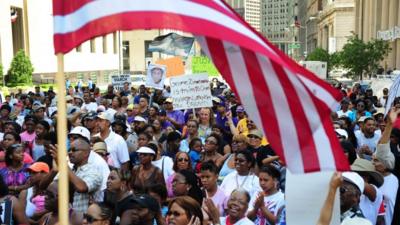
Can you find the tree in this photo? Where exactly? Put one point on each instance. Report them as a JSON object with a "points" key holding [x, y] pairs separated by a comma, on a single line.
{"points": [[21, 70], [320, 54], [363, 58]]}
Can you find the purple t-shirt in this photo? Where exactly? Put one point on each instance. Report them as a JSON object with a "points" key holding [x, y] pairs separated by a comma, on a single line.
{"points": [[177, 115], [220, 200], [223, 122]]}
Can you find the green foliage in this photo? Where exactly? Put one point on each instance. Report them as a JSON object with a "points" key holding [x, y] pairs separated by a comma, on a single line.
{"points": [[363, 58], [320, 54], [21, 70]]}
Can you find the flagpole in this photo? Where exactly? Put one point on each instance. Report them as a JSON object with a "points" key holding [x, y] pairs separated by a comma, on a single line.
{"points": [[63, 198]]}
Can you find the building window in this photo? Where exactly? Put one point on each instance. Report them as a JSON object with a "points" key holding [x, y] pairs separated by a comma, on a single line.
{"points": [[115, 43], [104, 44], [93, 45], [125, 56], [147, 53]]}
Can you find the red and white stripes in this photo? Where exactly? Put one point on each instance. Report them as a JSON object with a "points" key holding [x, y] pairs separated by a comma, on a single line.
{"points": [[289, 103]]}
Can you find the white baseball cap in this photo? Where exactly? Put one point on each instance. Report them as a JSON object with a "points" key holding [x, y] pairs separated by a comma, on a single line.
{"points": [[106, 116], [82, 131], [342, 133], [355, 179]]}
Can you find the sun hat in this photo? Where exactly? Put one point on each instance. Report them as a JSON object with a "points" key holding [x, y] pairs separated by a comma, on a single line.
{"points": [[146, 150], [363, 166]]}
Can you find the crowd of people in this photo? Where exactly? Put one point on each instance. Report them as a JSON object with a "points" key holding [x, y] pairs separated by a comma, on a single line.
{"points": [[133, 159]]}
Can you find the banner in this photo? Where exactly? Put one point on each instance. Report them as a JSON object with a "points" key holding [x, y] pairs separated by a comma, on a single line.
{"points": [[172, 44], [119, 80], [191, 91], [202, 64]]}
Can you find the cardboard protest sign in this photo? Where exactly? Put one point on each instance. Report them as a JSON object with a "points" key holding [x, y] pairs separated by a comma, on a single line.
{"points": [[119, 80], [175, 66], [202, 64], [191, 91], [305, 196], [156, 76], [6, 211]]}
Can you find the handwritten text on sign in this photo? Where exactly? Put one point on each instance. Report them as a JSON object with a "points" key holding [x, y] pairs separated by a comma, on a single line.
{"points": [[119, 80], [191, 91]]}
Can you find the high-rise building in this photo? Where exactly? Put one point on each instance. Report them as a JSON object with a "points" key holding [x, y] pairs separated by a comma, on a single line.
{"points": [[250, 10], [278, 22], [380, 20], [302, 17]]}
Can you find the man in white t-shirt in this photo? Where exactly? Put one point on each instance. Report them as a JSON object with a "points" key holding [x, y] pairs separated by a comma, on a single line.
{"points": [[367, 138], [116, 144], [88, 105], [344, 108]]}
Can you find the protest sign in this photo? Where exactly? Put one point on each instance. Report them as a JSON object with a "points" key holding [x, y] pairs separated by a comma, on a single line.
{"points": [[202, 64], [6, 211], [304, 200], [174, 66], [156, 76], [119, 80], [191, 91]]}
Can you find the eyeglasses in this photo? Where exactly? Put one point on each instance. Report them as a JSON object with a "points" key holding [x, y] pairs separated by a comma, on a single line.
{"points": [[344, 190], [72, 149], [240, 160], [253, 136], [17, 146], [210, 142], [178, 182], [183, 159], [174, 213], [90, 219]]}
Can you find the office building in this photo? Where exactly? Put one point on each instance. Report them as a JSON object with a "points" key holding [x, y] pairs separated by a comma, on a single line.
{"points": [[278, 18], [380, 19], [250, 10]]}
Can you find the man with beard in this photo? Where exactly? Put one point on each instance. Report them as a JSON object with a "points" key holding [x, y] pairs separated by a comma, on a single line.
{"points": [[142, 210], [367, 138]]}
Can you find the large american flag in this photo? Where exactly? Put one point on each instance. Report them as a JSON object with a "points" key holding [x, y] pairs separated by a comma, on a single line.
{"points": [[290, 104]]}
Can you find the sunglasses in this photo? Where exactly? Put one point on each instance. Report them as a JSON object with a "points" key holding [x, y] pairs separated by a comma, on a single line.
{"points": [[17, 146], [240, 160], [72, 149], [252, 136], [210, 142], [183, 159], [174, 213], [89, 218]]}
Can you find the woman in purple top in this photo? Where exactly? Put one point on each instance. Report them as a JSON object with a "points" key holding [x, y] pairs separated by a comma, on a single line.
{"points": [[15, 174]]}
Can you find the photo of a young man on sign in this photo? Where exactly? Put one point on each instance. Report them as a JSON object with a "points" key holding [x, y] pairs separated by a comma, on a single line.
{"points": [[156, 76]]}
